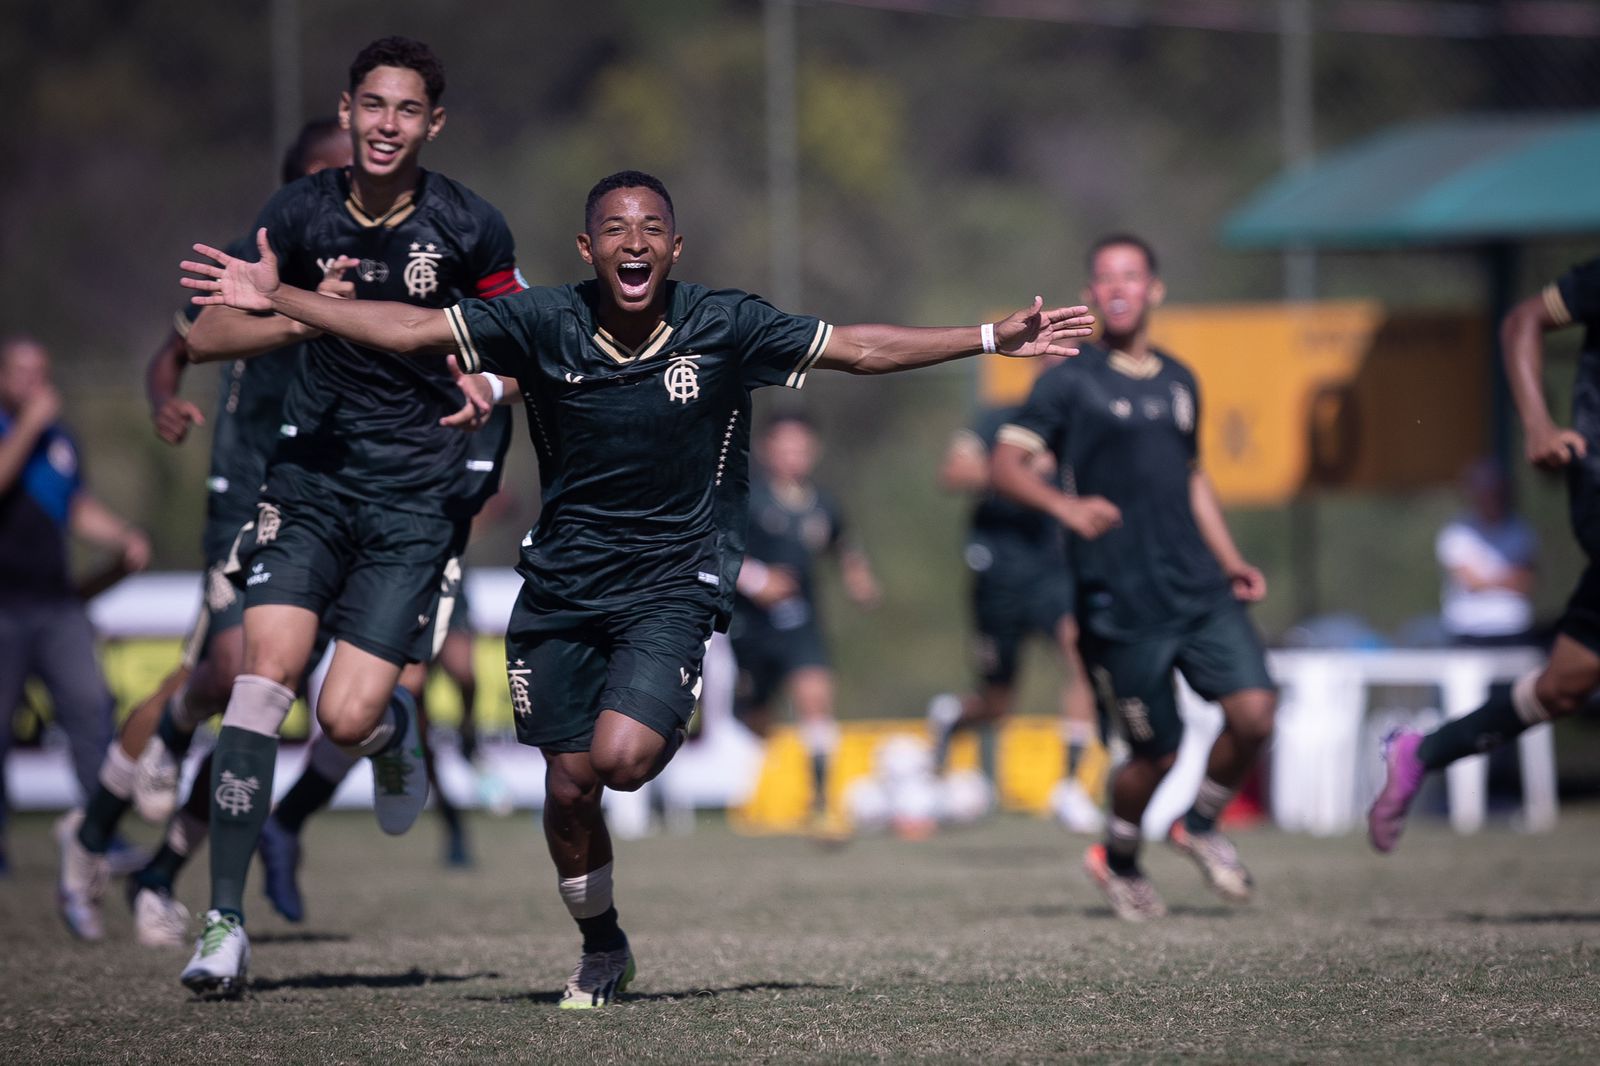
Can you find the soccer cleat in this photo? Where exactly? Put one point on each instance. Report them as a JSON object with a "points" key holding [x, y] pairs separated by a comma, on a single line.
{"points": [[1075, 810], [1387, 817], [1218, 860], [158, 919], [82, 882], [399, 775], [221, 962], [1133, 899], [600, 978], [155, 782], [280, 863]]}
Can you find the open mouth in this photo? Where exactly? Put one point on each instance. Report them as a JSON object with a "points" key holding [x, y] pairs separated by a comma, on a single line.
{"points": [[634, 279], [383, 151]]}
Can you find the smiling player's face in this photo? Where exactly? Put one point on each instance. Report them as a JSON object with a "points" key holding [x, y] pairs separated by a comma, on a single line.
{"points": [[632, 245], [389, 119], [1122, 289]]}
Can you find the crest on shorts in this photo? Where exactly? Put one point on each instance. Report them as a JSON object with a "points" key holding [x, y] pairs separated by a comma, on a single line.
{"points": [[422, 270], [519, 675], [236, 795], [682, 379], [268, 519]]}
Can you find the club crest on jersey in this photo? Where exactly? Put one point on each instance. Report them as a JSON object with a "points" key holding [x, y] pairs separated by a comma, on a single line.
{"points": [[682, 379], [1183, 407], [422, 270]]}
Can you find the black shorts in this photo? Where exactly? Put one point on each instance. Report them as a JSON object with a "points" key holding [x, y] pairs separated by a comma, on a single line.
{"points": [[1010, 606], [1581, 619], [766, 655], [370, 571], [566, 666], [1219, 653]]}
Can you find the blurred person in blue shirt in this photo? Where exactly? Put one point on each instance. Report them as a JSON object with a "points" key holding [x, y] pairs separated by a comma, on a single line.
{"points": [[1487, 554]]}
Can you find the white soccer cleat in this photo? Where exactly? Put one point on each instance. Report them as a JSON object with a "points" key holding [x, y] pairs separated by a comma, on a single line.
{"points": [[81, 884], [399, 774], [1218, 860], [220, 965], [600, 978], [1133, 899], [1075, 810], [159, 920], [155, 782]]}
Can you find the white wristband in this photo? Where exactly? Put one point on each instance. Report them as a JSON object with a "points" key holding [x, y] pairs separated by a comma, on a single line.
{"points": [[986, 331], [497, 388]]}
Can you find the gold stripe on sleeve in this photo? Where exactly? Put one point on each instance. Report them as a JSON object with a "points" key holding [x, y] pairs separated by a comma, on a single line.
{"points": [[1555, 306], [470, 363], [1026, 439], [819, 346]]}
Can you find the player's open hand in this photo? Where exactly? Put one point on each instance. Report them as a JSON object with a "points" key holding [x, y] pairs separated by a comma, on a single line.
{"points": [[234, 282], [474, 414], [174, 417], [1035, 331], [334, 283], [1249, 583], [1553, 447], [1090, 516]]}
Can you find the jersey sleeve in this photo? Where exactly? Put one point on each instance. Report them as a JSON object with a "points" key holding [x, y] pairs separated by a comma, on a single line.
{"points": [[494, 258], [495, 335], [776, 348], [1575, 295], [1043, 420]]}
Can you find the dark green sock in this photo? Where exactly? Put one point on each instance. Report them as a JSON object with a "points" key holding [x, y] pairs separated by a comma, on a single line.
{"points": [[1074, 757], [241, 798], [176, 740], [1484, 729], [989, 751], [162, 870], [819, 780], [305, 797], [100, 819], [601, 933]]}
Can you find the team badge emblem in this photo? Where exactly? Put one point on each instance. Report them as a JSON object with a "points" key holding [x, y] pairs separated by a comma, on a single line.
{"points": [[1182, 407], [268, 519], [518, 674], [237, 795], [373, 271], [422, 270], [682, 379]]}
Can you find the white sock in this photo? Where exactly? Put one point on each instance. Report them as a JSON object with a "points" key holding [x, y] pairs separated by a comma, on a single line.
{"points": [[117, 771], [258, 705], [587, 895], [1211, 799], [184, 832]]}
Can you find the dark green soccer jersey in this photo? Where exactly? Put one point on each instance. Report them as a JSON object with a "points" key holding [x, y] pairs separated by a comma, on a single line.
{"points": [[792, 529], [1128, 432], [1007, 535], [363, 423], [643, 454], [244, 424], [1575, 298]]}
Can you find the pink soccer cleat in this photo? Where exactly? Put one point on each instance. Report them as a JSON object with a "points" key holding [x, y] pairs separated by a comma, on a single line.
{"points": [[1387, 818]]}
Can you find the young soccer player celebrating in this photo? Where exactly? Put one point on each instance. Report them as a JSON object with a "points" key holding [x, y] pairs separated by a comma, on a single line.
{"points": [[638, 395], [1161, 583], [1572, 674]]}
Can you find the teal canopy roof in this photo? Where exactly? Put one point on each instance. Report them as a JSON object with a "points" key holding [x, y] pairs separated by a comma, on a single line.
{"points": [[1469, 179]]}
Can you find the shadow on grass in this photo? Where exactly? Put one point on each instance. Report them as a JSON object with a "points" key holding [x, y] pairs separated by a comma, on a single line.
{"points": [[1526, 917], [1179, 910], [412, 978], [691, 993], [306, 937]]}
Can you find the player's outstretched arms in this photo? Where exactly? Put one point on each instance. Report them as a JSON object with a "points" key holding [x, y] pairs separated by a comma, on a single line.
{"points": [[1012, 475], [1032, 331], [387, 326], [1546, 444]]}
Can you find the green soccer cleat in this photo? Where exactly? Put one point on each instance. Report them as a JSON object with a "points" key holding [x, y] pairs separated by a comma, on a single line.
{"points": [[601, 977]]}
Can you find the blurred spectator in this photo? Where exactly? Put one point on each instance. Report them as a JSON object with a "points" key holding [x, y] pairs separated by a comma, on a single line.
{"points": [[44, 629], [1488, 556]]}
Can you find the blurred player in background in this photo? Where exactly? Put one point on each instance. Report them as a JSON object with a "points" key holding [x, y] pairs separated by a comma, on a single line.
{"points": [[142, 767], [1022, 584], [1488, 555], [1572, 674], [641, 534], [357, 518], [44, 628], [776, 631], [1161, 584]]}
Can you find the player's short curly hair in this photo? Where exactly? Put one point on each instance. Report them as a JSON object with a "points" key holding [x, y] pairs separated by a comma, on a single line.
{"points": [[405, 53], [625, 179], [312, 135], [1113, 240]]}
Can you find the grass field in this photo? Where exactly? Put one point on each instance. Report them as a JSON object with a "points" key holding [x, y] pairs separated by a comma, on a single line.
{"points": [[981, 944]]}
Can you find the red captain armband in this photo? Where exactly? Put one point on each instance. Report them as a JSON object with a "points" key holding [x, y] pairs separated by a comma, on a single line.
{"points": [[500, 283]]}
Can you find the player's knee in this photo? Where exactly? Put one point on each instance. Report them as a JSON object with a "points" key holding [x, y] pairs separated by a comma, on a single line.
{"points": [[567, 791], [1560, 695], [624, 768], [1251, 714], [343, 730]]}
